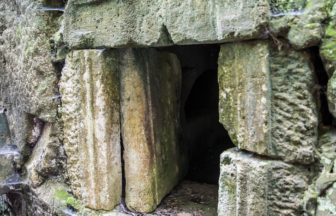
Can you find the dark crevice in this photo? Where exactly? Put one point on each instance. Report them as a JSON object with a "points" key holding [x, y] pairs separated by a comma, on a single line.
{"points": [[54, 3], [123, 192], [326, 118], [203, 135]]}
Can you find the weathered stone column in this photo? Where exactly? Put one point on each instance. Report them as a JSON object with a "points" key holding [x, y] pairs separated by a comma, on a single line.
{"points": [[256, 186], [267, 101], [155, 160], [90, 97]]}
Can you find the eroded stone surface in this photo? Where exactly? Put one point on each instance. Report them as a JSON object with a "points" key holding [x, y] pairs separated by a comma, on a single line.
{"points": [[90, 112], [155, 160], [28, 77], [301, 22], [254, 185], [4, 130], [266, 102], [48, 157], [160, 23]]}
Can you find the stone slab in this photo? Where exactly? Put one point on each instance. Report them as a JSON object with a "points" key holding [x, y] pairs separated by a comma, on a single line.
{"points": [[139, 23], [90, 98], [255, 185], [266, 100], [155, 160]]}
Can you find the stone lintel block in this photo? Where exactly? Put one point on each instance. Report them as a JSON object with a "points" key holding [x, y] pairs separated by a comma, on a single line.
{"points": [[266, 100], [254, 185], [139, 23], [90, 98], [155, 159]]}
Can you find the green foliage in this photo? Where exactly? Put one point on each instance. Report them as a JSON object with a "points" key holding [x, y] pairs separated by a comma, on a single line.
{"points": [[285, 6]]}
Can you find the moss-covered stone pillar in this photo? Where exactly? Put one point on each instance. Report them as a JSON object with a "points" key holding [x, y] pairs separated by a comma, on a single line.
{"points": [[266, 99], [90, 97], [155, 160]]}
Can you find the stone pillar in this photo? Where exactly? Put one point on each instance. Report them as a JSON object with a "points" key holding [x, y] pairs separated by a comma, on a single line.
{"points": [[256, 186], [267, 101], [90, 97], [155, 160]]}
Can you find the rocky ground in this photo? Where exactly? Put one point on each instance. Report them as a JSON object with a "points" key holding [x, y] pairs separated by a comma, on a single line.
{"points": [[190, 199]]}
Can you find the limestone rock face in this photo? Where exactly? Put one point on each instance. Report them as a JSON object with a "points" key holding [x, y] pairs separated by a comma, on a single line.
{"points": [[48, 157], [90, 98], [254, 185], [326, 204], [155, 160], [28, 77], [328, 48], [301, 22], [93, 23], [8, 172], [266, 102], [307, 30], [331, 94], [4, 130]]}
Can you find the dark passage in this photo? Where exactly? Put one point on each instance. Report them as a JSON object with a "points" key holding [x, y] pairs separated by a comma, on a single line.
{"points": [[326, 118], [205, 137]]}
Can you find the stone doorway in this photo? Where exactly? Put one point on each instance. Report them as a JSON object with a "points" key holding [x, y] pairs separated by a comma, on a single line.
{"points": [[203, 135]]}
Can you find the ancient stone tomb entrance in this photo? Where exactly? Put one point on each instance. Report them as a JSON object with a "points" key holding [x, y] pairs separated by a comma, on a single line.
{"points": [[160, 105], [169, 121], [203, 135]]}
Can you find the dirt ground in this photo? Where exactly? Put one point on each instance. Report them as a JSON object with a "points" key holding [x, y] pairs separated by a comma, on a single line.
{"points": [[190, 199]]}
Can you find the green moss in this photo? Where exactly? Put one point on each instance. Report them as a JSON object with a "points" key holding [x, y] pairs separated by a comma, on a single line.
{"points": [[331, 32], [63, 198], [330, 45], [61, 194]]}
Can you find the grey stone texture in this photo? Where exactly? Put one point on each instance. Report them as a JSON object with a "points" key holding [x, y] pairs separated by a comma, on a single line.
{"points": [[139, 23], [48, 157], [28, 78], [5, 208], [155, 159], [4, 130], [266, 102], [90, 111], [255, 185]]}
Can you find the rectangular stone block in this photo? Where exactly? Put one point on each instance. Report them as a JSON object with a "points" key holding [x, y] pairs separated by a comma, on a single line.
{"points": [[137, 23], [90, 98], [257, 186], [266, 100], [155, 159]]}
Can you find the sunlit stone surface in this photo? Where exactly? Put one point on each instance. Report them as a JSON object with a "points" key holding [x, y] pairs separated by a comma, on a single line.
{"points": [[155, 159], [162, 22], [89, 88]]}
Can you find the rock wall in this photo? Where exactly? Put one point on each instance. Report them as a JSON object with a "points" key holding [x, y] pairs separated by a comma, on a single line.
{"points": [[162, 23], [82, 79], [266, 100]]}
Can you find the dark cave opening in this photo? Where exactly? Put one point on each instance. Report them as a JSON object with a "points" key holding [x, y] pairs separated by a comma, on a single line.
{"points": [[204, 136], [326, 118]]}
